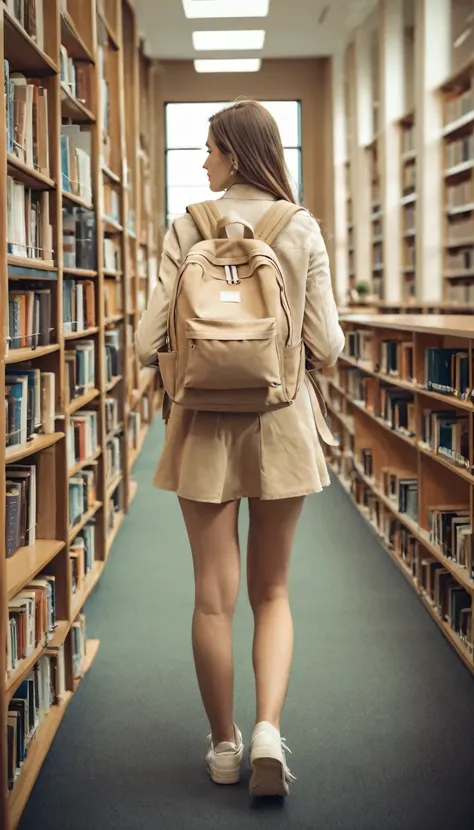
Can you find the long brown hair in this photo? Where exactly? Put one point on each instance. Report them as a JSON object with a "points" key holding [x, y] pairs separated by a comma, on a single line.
{"points": [[247, 131]]}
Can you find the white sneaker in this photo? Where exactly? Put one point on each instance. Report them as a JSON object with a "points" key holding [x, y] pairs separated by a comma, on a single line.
{"points": [[223, 760], [270, 773]]}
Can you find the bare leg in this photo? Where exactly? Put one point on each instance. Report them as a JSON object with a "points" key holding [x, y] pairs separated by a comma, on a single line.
{"points": [[213, 535], [272, 530]]}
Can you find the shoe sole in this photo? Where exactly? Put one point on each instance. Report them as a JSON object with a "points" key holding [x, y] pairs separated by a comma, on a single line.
{"points": [[268, 778]]}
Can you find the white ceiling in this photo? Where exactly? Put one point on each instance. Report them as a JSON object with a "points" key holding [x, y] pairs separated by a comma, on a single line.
{"points": [[295, 28]]}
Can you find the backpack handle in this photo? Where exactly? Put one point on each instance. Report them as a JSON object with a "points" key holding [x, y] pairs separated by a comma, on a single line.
{"points": [[223, 224]]}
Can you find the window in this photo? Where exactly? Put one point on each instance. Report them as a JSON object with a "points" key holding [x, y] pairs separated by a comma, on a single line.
{"points": [[186, 134]]}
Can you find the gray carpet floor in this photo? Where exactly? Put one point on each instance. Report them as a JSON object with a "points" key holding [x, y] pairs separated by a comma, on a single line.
{"points": [[380, 714]]}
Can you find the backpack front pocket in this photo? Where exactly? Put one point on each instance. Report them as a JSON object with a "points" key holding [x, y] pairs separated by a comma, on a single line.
{"points": [[231, 354]]}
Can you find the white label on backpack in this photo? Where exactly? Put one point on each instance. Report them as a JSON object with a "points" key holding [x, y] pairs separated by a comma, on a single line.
{"points": [[230, 296]]}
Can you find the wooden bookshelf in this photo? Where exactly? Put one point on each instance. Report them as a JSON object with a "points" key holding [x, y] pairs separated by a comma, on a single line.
{"points": [[408, 206], [69, 311], [403, 412], [376, 220], [458, 171]]}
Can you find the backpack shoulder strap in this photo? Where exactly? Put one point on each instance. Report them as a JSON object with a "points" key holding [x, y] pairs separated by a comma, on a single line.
{"points": [[206, 217], [274, 220]]}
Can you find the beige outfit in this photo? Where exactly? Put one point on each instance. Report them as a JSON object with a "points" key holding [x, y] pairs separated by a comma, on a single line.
{"points": [[218, 457]]}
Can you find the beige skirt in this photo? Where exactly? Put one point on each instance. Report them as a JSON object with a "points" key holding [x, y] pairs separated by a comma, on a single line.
{"points": [[219, 457]]}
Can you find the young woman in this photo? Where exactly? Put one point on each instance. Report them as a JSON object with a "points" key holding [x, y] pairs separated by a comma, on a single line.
{"points": [[213, 460]]}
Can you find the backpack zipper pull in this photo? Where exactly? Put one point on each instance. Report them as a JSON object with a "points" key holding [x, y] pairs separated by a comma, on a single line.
{"points": [[228, 275]]}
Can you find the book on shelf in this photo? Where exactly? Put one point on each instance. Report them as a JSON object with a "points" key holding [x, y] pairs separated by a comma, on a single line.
{"points": [[451, 601], [113, 457], [446, 432], [76, 161], [457, 105], [461, 293], [80, 368], [29, 318], [134, 428], [112, 254], [29, 404], [82, 495], [112, 203], [31, 620], [78, 635], [30, 15], [79, 238], [29, 231], [447, 372], [366, 456], [84, 543], [82, 436], [111, 415], [406, 546], [113, 358], [78, 305], [461, 260], [75, 77], [26, 105], [450, 530], [359, 345], [43, 687], [460, 227], [397, 408], [460, 150], [460, 195], [115, 507], [20, 507], [113, 302]]}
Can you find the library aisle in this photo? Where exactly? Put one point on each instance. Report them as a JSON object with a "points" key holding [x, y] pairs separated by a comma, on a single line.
{"points": [[378, 715]]}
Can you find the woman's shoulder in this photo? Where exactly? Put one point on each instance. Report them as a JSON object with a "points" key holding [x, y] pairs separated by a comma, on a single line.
{"points": [[302, 231]]}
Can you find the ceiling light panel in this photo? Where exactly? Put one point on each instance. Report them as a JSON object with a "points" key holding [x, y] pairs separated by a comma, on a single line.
{"points": [[246, 65], [230, 40], [202, 9]]}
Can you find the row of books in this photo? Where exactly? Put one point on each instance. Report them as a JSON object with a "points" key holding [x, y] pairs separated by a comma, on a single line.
{"points": [[461, 260], [460, 227], [447, 371], [450, 530], [82, 555], [409, 255], [80, 368], [446, 432], [115, 507], [76, 77], [409, 214], [451, 601], [30, 15], [459, 105], [29, 317], [82, 436], [32, 701], [113, 457], [76, 161], [20, 507], [29, 231], [113, 360], [31, 620], [112, 254], [460, 195], [460, 292], [79, 238], [82, 494], [29, 404], [460, 150], [26, 104], [397, 408], [401, 486], [359, 345], [111, 202], [112, 421], [78, 305]]}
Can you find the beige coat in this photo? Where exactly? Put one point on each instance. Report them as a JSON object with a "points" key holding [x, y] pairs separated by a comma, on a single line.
{"points": [[216, 457]]}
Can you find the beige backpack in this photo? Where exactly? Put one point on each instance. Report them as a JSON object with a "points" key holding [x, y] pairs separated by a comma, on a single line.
{"points": [[231, 342]]}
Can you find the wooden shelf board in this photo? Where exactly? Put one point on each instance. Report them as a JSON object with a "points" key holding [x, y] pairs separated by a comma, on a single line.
{"points": [[60, 633], [110, 32], [71, 39], [441, 324], [459, 169], [458, 209], [462, 242], [82, 400], [74, 109], [36, 444], [27, 562], [113, 383], [459, 275], [21, 355], [116, 481], [32, 264], [79, 272], [90, 581], [38, 751], [23, 53], [30, 177], [113, 177], [72, 471], [77, 200], [113, 533], [111, 225], [409, 199], [444, 626], [22, 670], [114, 318], [108, 273], [459, 124], [86, 517], [76, 335], [460, 75]]}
